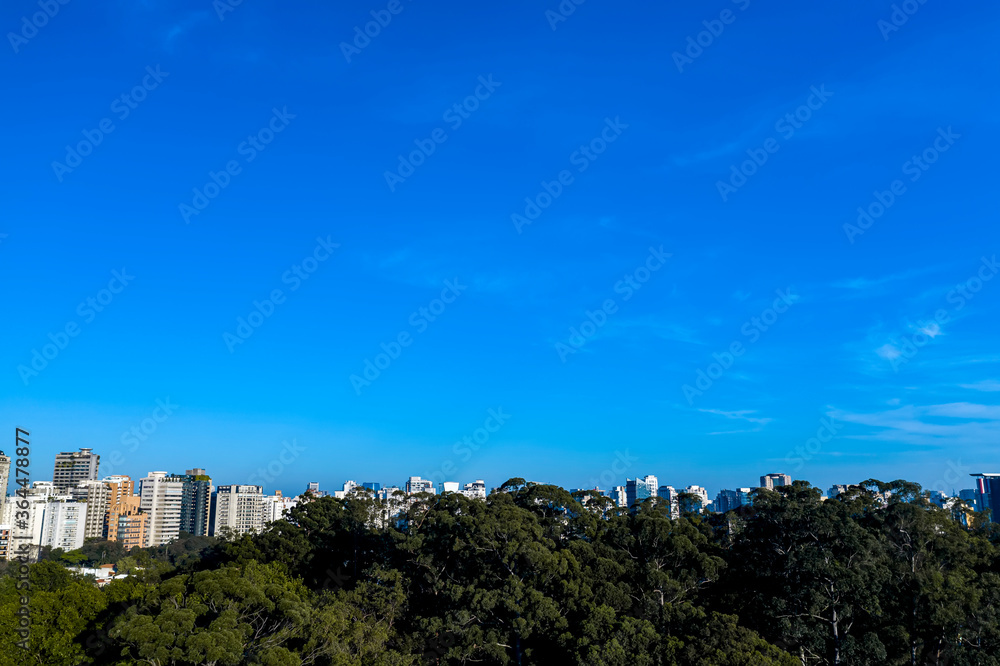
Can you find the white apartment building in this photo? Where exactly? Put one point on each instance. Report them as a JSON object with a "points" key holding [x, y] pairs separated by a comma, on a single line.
{"points": [[417, 485], [161, 496], [349, 486], [63, 524], [30, 531], [475, 490], [700, 492], [239, 508], [4, 476], [276, 506]]}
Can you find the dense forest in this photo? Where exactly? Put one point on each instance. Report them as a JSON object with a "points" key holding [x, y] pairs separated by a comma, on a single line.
{"points": [[535, 575]]}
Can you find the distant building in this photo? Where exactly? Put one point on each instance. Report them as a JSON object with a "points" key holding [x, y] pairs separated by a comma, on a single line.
{"points": [[6, 542], [638, 489], [836, 489], [161, 496], [312, 488], [669, 495], [475, 490], [4, 476], [96, 494], [63, 524], [276, 506], [772, 481], [28, 530], [694, 500], [127, 523], [619, 495], [371, 485], [730, 500], [238, 508], [72, 468], [449, 487], [349, 486], [939, 498], [417, 485], [988, 494], [969, 496], [196, 507], [700, 492]]}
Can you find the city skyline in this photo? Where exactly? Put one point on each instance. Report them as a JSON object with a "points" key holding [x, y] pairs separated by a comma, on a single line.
{"points": [[700, 238], [951, 482]]}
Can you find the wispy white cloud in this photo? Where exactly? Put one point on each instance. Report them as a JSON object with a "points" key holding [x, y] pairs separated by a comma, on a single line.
{"points": [[736, 432], [742, 414], [988, 385], [951, 424]]}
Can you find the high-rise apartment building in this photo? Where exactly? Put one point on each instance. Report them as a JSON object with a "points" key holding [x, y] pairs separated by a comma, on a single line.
{"points": [[619, 496], [238, 508], [97, 496], [176, 503], [417, 485], [988, 494], [349, 486], [4, 476], [969, 497], [836, 489], [276, 506], [119, 486], [312, 488], [699, 492], [638, 489], [730, 500], [475, 490], [196, 508], [160, 497], [669, 495], [772, 481], [72, 468], [63, 524], [124, 521]]}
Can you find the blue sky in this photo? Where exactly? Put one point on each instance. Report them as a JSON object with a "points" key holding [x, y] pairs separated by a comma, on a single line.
{"points": [[624, 134]]}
